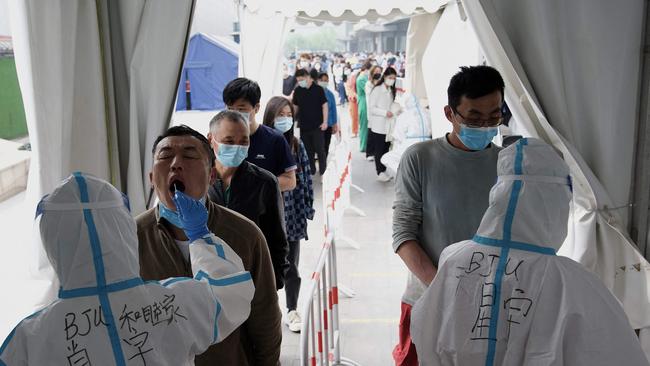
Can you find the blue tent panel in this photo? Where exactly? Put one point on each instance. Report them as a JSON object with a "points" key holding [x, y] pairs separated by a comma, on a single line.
{"points": [[209, 65]]}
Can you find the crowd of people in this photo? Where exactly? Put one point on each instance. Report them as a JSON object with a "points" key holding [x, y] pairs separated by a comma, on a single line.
{"points": [[194, 279], [366, 83]]}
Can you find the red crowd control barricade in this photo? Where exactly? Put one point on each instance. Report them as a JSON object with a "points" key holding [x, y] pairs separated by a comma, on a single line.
{"points": [[320, 336]]}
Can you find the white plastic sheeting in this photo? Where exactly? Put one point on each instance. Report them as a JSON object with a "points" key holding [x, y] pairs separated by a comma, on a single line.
{"points": [[569, 73], [419, 33], [262, 45], [98, 80], [452, 44]]}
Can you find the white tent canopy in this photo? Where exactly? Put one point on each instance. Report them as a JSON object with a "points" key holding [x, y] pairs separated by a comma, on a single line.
{"points": [[340, 10]]}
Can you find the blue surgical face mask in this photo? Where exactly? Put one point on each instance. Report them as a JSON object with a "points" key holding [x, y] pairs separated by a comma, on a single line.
{"points": [[231, 155], [302, 83], [323, 84], [477, 138], [171, 215], [283, 124]]}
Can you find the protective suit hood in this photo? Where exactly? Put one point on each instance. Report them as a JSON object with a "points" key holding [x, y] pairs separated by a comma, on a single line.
{"points": [[505, 298], [80, 253], [106, 314], [540, 214]]}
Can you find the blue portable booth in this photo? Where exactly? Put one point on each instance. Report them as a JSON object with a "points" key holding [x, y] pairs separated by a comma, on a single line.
{"points": [[211, 62]]}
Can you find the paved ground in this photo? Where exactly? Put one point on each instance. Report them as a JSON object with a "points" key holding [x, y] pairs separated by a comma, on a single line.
{"points": [[369, 320]]}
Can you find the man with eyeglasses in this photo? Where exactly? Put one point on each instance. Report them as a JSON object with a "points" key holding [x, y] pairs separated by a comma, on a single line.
{"points": [[442, 186]]}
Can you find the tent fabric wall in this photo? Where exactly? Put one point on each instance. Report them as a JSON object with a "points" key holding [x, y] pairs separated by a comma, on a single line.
{"points": [[597, 237], [452, 44], [419, 33], [262, 44], [98, 80], [210, 64]]}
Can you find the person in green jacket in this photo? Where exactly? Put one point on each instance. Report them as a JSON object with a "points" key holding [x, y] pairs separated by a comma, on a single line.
{"points": [[368, 80], [363, 107]]}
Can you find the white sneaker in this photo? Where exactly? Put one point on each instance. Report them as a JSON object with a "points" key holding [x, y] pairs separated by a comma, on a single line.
{"points": [[383, 177], [370, 158], [294, 321]]}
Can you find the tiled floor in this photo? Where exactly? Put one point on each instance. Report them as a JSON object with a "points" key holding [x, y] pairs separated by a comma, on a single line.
{"points": [[369, 320]]}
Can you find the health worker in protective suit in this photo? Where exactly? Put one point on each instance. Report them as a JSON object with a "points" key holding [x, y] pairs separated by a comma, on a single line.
{"points": [[106, 314], [505, 298]]}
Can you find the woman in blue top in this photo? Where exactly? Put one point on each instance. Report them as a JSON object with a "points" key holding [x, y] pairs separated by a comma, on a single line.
{"points": [[298, 203]]}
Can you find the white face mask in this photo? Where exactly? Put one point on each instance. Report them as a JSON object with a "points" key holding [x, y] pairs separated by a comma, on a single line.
{"points": [[389, 82], [283, 124], [323, 84]]}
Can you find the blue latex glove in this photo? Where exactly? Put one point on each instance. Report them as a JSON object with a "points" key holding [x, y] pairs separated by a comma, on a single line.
{"points": [[193, 215]]}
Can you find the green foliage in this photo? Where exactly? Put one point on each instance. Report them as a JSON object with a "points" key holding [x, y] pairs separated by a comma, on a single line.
{"points": [[12, 113], [324, 39]]}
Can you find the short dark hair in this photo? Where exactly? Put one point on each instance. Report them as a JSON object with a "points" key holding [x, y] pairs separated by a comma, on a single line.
{"points": [[242, 88], [313, 73], [301, 72], [320, 76], [184, 130], [473, 82]]}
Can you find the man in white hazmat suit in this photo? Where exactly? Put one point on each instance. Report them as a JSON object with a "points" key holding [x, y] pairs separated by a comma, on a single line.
{"points": [[505, 298], [106, 314]]}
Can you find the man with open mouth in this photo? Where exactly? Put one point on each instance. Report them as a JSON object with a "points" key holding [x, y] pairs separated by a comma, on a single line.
{"points": [[184, 161]]}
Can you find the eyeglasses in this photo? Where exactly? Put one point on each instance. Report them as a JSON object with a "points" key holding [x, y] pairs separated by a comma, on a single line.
{"points": [[494, 121]]}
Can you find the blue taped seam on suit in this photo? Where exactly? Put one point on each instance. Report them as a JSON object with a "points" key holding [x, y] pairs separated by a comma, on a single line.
{"points": [[175, 280], [513, 245], [99, 272], [217, 247], [243, 277], [9, 337], [93, 291], [216, 318], [220, 252], [503, 259], [496, 306]]}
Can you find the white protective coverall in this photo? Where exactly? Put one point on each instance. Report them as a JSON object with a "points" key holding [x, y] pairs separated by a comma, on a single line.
{"points": [[106, 314], [505, 298]]}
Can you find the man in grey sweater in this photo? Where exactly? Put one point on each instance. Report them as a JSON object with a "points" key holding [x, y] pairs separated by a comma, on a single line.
{"points": [[442, 186]]}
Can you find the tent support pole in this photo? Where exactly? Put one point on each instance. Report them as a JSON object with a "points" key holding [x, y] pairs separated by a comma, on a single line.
{"points": [[641, 179]]}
